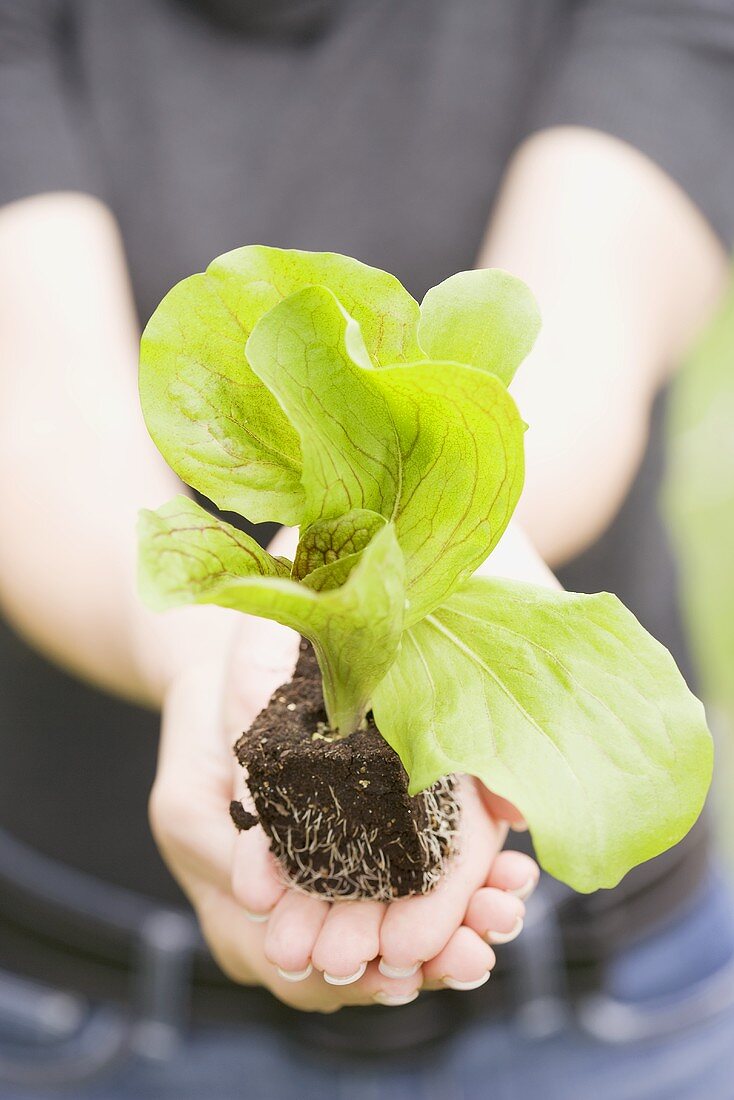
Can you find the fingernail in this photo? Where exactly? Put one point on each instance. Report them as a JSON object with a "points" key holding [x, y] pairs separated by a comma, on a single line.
{"points": [[505, 937], [296, 975], [526, 890], [394, 999], [346, 981], [256, 918], [453, 984], [519, 826], [396, 971]]}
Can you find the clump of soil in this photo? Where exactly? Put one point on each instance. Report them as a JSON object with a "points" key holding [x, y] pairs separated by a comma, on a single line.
{"points": [[338, 812]]}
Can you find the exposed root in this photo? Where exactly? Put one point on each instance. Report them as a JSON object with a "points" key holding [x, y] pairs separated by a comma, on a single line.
{"points": [[337, 810], [336, 860]]}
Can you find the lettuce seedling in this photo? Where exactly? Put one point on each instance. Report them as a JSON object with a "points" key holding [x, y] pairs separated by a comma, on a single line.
{"points": [[312, 390]]}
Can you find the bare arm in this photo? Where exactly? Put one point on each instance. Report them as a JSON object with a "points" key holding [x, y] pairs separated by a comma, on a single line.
{"points": [[626, 270], [76, 460], [77, 465], [70, 427]]}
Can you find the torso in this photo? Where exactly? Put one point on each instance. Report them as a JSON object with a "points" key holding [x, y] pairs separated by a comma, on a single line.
{"points": [[384, 136]]}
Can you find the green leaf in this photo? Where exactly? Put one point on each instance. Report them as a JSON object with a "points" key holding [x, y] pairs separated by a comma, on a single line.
{"points": [[329, 549], [435, 448], [486, 318], [211, 418], [187, 557], [562, 704], [185, 553], [386, 313]]}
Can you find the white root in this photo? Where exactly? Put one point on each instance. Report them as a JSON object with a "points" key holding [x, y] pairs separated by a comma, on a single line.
{"points": [[336, 861]]}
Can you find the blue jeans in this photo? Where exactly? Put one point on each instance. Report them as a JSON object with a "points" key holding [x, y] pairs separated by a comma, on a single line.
{"points": [[672, 976]]}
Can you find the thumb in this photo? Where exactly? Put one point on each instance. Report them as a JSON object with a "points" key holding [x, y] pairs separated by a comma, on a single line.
{"points": [[263, 656]]}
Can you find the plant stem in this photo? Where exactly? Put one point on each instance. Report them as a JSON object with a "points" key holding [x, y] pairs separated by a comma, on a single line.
{"points": [[344, 712]]}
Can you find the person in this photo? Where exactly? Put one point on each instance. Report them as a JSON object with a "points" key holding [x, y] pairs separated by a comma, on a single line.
{"points": [[580, 145]]}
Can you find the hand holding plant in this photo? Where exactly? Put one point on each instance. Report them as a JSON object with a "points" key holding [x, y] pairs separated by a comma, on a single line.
{"points": [[311, 390], [225, 875]]}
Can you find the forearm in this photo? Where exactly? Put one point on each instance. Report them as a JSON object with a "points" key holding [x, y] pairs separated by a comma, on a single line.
{"points": [[625, 271], [77, 462]]}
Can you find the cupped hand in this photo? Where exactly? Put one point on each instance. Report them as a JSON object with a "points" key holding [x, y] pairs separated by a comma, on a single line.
{"points": [[310, 953]]}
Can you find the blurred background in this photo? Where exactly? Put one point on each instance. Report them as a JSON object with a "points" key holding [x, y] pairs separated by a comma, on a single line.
{"points": [[697, 501], [396, 132]]}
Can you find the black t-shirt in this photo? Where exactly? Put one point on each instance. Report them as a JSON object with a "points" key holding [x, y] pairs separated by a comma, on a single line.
{"points": [[378, 129]]}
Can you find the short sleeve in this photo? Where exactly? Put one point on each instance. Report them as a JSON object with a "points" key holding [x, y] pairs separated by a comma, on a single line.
{"points": [[658, 74], [42, 132]]}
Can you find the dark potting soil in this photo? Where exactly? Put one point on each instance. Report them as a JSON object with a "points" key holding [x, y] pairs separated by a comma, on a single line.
{"points": [[338, 813]]}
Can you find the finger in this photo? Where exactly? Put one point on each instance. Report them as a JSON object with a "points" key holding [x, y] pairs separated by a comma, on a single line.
{"points": [[238, 947], [374, 988], [514, 872], [263, 657], [502, 810], [495, 915], [464, 963], [193, 786], [349, 938], [256, 884], [417, 928], [235, 943], [310, 993], [192, 839], [292, 930]]}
